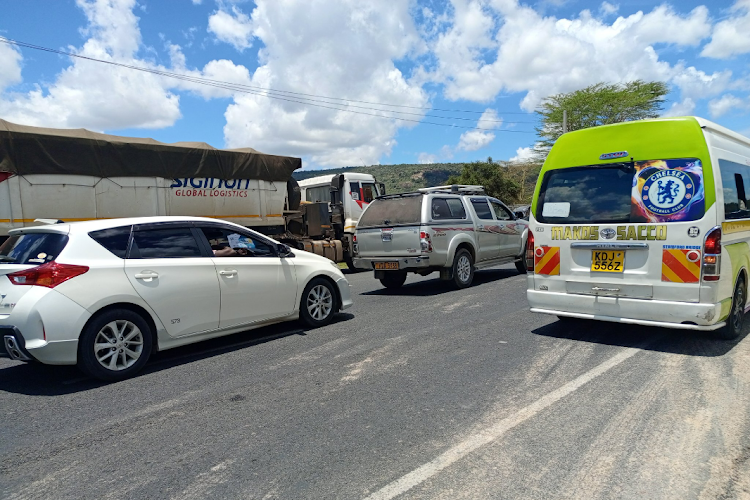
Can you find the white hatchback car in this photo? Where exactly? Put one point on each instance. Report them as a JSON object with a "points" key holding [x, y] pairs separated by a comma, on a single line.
{"points": [[104, 294]]}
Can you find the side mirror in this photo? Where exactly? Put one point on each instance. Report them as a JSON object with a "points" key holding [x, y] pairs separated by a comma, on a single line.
{"points": [[285, 251]]}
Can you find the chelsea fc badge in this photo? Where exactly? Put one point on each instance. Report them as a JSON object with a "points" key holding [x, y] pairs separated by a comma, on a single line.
{"points": [[667, 192]]}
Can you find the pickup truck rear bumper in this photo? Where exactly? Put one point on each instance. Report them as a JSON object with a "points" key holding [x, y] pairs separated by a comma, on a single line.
{"points": [[404, 263]]}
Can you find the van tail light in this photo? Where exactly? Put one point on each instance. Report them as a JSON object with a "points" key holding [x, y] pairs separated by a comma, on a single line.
{"points": [[712, 255], [50, 274], [424, 241], [530, 253]]}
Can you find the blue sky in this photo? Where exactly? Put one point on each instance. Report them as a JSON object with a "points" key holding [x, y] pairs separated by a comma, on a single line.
{"points": [[477, 68]]}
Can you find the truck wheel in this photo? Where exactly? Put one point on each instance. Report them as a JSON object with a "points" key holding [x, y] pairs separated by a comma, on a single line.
{"points": [[521, 266], [114, 345], [463, 268], [736, 318], [393, 279], [318, 303]]}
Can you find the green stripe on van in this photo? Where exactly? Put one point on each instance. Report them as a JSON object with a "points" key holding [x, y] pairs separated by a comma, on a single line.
{"points": [[660, 139]]}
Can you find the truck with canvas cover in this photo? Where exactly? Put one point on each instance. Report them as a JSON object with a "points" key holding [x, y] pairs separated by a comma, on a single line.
{"points": [[644, 222], [73, 175]]}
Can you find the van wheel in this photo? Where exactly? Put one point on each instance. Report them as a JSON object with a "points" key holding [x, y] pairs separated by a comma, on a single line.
{"points": [[114, 345], [463, 268], [393, 279], [736, 318], [521, 266]]}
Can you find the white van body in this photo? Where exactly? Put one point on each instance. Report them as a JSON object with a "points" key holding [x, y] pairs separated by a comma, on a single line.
{"points": [[673, 272]]}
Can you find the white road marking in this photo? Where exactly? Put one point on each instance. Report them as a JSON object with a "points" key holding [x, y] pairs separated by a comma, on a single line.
{"points": [[426, 471]]}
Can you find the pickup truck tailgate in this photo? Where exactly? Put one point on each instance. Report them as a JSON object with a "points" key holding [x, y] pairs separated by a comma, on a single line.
{"points": [[387, 242]]}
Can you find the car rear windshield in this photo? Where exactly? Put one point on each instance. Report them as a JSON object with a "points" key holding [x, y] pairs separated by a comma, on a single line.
{"points": [[396, 211], [32, 248], [642, 191]]}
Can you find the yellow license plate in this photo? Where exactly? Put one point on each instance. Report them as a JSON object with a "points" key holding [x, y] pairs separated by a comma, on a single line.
{"points": [[386, 266], [608, 261]]}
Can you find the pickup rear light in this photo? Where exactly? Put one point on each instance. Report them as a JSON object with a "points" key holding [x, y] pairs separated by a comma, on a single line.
{"points": [[530, 253], [424, 241], [712, 255], [49, 275]]}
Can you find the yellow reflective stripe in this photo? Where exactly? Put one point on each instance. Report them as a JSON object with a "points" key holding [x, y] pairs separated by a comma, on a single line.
{"points": [[692, 267], [666, 271]]}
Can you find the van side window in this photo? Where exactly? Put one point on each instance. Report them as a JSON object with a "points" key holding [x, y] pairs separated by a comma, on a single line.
{"points": [[734, 178]]}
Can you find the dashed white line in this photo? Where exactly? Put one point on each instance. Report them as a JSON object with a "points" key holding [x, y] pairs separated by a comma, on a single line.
{"points": [[495, 431]]}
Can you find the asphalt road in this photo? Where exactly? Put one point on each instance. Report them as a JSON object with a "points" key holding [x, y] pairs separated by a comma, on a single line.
{"points": [[425, 393]]}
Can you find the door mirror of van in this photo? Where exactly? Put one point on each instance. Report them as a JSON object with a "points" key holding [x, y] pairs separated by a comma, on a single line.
{"points": [[285, 251], [381, 188]]}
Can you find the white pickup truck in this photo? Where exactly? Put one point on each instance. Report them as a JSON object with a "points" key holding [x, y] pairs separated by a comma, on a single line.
{"points": [[450, 229]]}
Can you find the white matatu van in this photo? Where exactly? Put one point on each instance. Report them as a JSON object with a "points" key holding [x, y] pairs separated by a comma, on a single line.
{"points": [[644, 222]]}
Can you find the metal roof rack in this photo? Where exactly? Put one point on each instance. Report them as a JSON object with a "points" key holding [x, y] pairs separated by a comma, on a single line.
{"points": [[463, 189]]}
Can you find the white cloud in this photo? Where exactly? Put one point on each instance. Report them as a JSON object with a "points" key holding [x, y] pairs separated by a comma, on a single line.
{"points": [[426, 158], [95, 95], [10, 66], [235, 28], [727, 102], [527, 52], [523, 154], [472, 140], [682, 108], [340, 48], [197, 2], [731, 37], [608, 9]]}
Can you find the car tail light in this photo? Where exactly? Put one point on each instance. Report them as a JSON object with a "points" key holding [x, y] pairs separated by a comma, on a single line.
{"points": [[424, 241], [712, 255], [50, 274], [530, 253]]}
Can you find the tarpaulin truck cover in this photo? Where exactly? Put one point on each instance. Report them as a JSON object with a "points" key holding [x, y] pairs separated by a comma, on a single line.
{"points": [[28, 150]]}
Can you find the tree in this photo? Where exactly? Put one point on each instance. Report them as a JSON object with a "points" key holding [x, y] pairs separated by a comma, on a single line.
{"points": [[492, 176], [599, 104]]}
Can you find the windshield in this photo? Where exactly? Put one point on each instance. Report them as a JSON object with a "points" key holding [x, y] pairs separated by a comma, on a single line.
{"points": [[644, 191], [400, 210], [32, 248]]}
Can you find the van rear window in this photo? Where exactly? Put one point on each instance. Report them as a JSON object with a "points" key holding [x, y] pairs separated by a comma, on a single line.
{"points": [[32, 248], [400, 210], [645, 191]]}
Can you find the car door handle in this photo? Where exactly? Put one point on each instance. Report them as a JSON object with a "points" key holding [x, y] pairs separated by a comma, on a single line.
{"points": [[228, 272], [147, 276]]}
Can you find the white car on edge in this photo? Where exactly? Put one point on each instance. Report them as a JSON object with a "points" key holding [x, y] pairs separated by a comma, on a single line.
{"points": [[104, 294]]}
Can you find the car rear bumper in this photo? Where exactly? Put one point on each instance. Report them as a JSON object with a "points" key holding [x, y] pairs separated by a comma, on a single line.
{"points": [[417, 262], [680, 315], [61, 352]]}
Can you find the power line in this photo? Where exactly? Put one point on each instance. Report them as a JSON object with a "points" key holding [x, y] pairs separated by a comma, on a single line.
{"points": [[289, 96]]}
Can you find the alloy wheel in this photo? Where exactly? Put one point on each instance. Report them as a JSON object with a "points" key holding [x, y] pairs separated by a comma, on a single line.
{"points": [[319, 302], [118, 345], [463, 268]]}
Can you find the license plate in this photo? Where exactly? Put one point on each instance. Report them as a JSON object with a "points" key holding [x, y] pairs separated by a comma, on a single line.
{"points": [[386, 266], [608, 261], [386, 234]]}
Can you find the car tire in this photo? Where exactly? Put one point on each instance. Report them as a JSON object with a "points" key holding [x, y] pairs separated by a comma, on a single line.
{"points": [[350, 263], [463, 269], [393, 279], [319, 303], [131, 341], [736, 318], [521, 266]]}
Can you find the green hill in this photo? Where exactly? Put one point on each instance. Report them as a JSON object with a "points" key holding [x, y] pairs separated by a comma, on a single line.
{"points": [[409, 177], [397, 178]]}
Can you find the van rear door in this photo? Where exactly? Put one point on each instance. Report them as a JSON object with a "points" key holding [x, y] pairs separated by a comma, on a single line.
{"points": [[631, 229]]}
